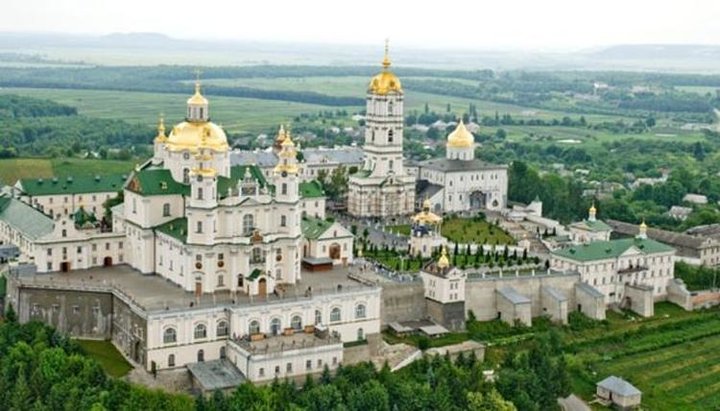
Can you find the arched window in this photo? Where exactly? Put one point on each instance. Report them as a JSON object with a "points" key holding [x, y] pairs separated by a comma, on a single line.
{"points": [[283, 221], [166, 210], [257, 255], [284, 188], [200, 331], [390, 108], [318, 317], [390, 136], [360, 334], [199, 193], [222, 328], [169, 335], [241, 280], [201, 356], [222, 353], [186, 176], [220, 280], [335, 315], [275, 326], [248, 224], [199, 227], [254, 327], [296, 323], [360, 311], [171, 360]]}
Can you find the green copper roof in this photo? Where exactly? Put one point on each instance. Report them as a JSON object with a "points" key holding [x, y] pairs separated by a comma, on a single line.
{"points": [[602, 250], [254, 274], [595, 226], [152, 182], [176, 228], [24, 218], [313, 228], [237, 173], [72, 185], [311, 189]]}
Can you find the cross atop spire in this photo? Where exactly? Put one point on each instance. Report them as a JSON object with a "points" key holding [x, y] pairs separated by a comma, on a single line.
{"points": [[386, 61]]}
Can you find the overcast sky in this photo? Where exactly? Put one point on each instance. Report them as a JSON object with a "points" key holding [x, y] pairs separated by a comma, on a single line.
{"points": [[471, 24]]}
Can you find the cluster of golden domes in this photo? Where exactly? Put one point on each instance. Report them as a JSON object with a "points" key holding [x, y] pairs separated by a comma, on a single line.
{"points": [[461, 137], [385, 81], [287, 154]]}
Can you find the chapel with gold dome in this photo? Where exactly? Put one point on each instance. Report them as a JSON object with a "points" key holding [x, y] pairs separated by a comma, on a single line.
{"points": [[460, 182]]}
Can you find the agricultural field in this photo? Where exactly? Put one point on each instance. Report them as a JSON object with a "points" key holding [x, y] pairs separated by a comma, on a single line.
{"points": [[16, 168], [672, 358], [235, 114]]}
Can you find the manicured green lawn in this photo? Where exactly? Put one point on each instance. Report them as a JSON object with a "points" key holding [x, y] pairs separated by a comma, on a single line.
{"points": [[467, 231], [107, 355]]}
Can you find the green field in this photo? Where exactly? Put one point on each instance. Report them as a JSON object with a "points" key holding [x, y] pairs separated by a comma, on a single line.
{"points": [[107, 355], [16, 168], [235, 114], [698, 89]]}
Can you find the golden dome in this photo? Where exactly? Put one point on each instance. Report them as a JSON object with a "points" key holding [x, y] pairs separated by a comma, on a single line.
{"points": [[643, 226], [426, 216], [461, 137], [592, 210], [427, 204], [197, 99], [197, 135], [161, 137], [443, 261], [385, 81]]}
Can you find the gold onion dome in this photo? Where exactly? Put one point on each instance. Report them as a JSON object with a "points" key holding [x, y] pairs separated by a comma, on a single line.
{"points": [[443, 261], [426, 216], [194, 136], [197, 98], [592, 208], [461, 137], [161, 137], [385, 81]]}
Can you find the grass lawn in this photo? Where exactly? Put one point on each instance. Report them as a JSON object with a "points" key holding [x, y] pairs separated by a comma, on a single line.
{"points": [[107, 355], [467, 231], [447, 339], [15, 168]]}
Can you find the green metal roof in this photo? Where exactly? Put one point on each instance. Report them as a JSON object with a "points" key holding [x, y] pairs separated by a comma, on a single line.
{"points": [[595, 226], [602, 250], [72, 185], [176, 228], [313, 228], [311, 189], [152, 182], [24, 218], [254, 274], [237, 173]]}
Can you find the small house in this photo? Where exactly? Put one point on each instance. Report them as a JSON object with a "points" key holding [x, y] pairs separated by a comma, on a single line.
{"points": [[615, 390]]}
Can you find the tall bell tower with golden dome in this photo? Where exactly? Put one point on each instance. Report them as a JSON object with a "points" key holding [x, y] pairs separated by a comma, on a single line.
{"points": [[383, 187]]}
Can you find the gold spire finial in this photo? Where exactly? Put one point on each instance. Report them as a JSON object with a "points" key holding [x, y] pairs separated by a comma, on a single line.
{"points": [[386, 61], [161, 125], [443, 261]]}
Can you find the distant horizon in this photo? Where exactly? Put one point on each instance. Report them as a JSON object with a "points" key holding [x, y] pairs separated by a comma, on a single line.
{"points": [[517, 25]]}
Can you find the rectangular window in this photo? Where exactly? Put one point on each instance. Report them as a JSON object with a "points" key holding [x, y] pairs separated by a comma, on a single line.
{"points": [[94, 247], [49, 266], [107, 246], [79, 250], [288, 367], [120, 245], [49, 251], [262, 372], [308, 365], [76, 309], [319, 363]]}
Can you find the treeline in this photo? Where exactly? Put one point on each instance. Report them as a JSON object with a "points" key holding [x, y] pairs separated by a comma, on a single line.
{"points": [[696, 277], [68, 135], [14, 106], [562, 198], [41, 369]]}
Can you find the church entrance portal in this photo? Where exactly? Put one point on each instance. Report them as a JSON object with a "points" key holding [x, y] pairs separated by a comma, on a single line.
{"points": [[262, 287], [477, 200], [335, 251], [107, 261], [65, 267]]}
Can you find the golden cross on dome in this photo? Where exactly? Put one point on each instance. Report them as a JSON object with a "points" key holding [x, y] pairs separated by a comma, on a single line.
{"points": [[386, 60]]}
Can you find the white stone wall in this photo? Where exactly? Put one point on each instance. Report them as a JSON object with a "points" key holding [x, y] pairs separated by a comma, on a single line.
{"points": [[66, 204], [313, 207], [286, 364]]}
